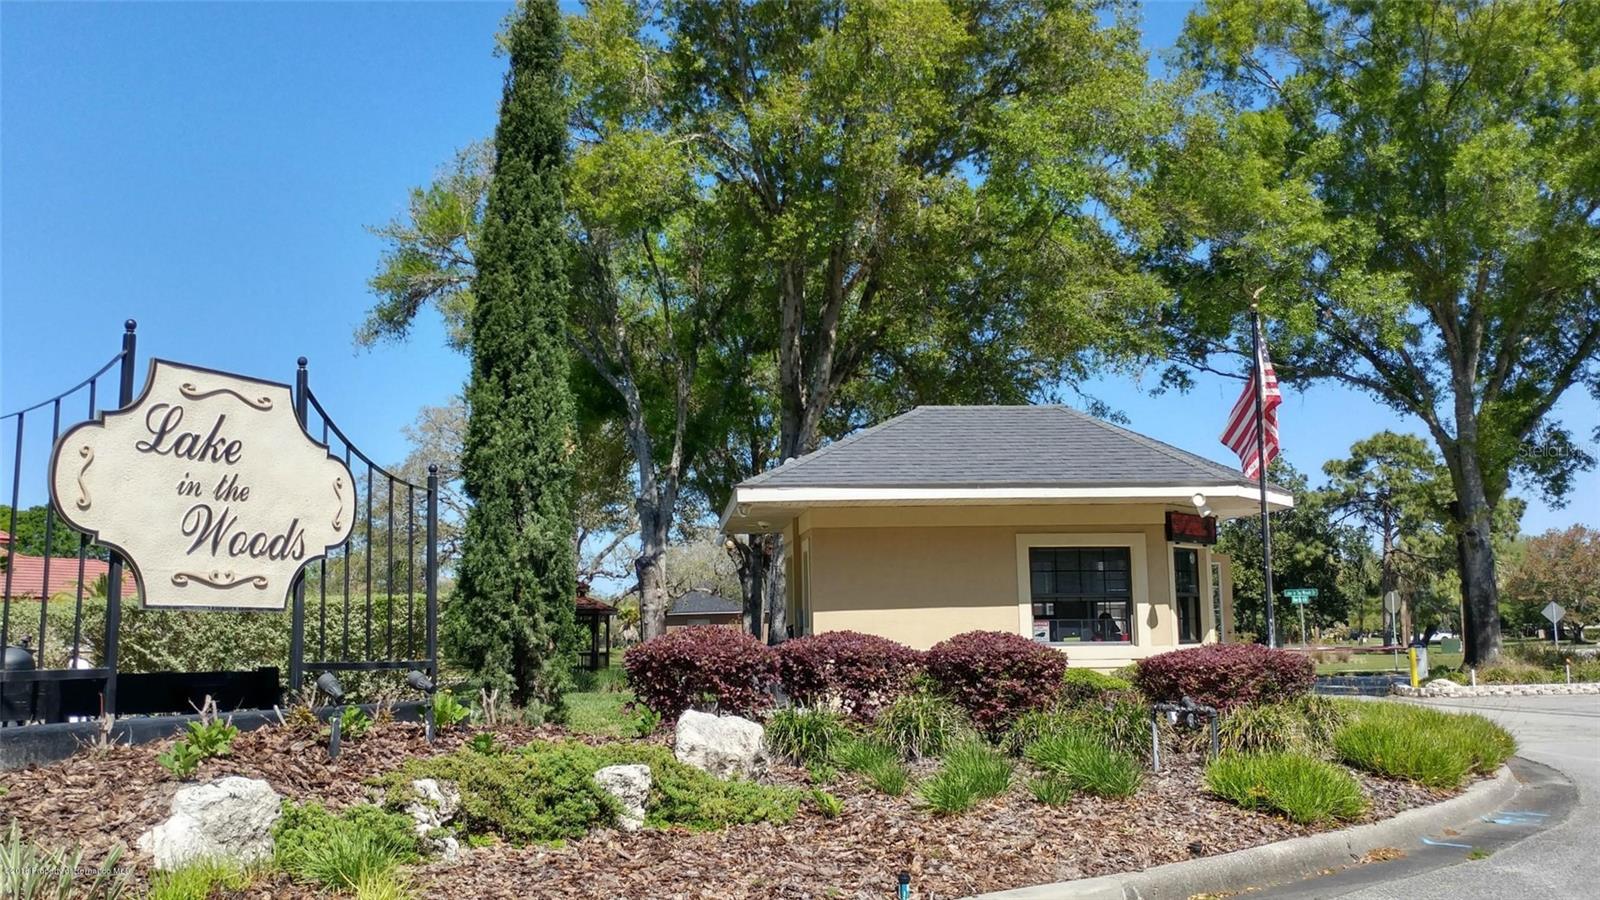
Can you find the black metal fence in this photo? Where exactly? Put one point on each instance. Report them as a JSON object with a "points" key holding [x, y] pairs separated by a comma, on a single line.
{"points": [[370, 605]]}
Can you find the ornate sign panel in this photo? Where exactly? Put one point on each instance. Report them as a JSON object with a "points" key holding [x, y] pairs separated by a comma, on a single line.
{"points": [[208, 486]]}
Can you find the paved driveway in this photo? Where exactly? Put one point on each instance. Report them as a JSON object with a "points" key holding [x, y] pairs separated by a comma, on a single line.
{"points": [[1559, 860]]}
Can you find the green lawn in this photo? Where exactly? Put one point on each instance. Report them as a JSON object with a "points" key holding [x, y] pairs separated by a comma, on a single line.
{"points": [[1362, 663], [599, 707]]}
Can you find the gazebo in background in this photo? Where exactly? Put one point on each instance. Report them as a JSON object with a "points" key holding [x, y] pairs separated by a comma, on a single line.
{"points": [[596, 615]]}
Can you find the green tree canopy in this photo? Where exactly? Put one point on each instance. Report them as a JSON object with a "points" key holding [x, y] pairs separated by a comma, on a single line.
{"points": [[1417, 186]]}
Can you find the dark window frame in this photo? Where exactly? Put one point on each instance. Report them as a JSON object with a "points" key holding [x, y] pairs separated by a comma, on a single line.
{"points": [[1084, 592], [1187, 598]]}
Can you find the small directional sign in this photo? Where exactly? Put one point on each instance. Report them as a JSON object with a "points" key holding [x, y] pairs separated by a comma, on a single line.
{"points": [[1554, 612], [1300, 596]]}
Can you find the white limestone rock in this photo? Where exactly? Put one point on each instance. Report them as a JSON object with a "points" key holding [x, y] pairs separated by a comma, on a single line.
{"points": [[229, 819], [630, 784], [724, 746]]}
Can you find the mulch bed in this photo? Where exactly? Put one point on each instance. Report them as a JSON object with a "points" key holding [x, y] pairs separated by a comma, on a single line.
{"points": [[102, 798]]}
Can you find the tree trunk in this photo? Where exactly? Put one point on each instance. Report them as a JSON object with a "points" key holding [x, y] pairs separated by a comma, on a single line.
{"points": [[777, 593], [1479, 592], [650, 569], [749, 559]]}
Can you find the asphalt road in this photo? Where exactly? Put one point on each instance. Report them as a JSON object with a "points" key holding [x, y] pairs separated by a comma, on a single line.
{"points": [[1540, 846]]}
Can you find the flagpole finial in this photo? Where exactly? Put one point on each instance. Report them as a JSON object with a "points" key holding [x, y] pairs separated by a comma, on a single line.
{"points": [[1255, 295]]}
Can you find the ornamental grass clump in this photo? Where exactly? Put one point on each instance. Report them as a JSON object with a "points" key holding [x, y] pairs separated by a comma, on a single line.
{"points": [[1086, 764], [707, 665], [198, 879], [1306, 789], [856, 673], [342, 850], [922, 724], [805, 736], [878, 763], [1432, 748], [970, 772], [996, 676], [1225, 675], [1121, 723], [1303, 725]]}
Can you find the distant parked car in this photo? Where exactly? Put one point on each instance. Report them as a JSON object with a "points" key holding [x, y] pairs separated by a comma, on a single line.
{"points": [[1442, 636]]}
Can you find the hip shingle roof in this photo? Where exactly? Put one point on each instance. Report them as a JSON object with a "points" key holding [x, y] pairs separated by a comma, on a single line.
{"points": [[996, 446]]}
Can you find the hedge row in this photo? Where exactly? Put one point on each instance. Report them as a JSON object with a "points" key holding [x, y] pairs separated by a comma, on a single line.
{"points": [[996, 677]]}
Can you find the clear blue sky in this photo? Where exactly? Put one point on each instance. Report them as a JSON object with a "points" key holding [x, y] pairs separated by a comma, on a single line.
{"points": [[209, 170]]}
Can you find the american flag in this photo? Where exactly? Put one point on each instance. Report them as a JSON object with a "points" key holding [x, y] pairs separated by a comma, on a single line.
{"points": [[1240, 435]]}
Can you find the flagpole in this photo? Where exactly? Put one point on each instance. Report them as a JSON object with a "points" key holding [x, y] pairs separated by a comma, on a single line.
{"points": [[1261, 468]]}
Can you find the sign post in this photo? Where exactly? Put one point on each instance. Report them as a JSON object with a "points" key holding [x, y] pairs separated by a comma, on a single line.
{"points": [[1555, 613], [1300, 597]]}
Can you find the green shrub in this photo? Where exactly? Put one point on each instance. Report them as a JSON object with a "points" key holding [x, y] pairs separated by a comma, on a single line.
{"points": [[340, 851], [922, 724], [878, 763], [354, 724], [1087, 685], [212, 738], [830, 806], [1050, 790], [1086, 764], [969, 773], [1302, 725], [1304, 788], [31, 872], [805, 736], [545, 791], [201, 741], [448, 712], [1432, 748], [196, 880], [182, 759]]}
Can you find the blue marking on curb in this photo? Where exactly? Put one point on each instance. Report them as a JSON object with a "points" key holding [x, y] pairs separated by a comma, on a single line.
{"points": [[1516, 818], [1432, 843]]}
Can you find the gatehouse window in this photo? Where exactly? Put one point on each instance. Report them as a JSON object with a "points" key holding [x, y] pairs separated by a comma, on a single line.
{"points": [[1081, 593]]}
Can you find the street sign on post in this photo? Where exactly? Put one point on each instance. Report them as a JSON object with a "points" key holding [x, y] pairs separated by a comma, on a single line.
{"points": [[1300, 597], [1555, 613]]}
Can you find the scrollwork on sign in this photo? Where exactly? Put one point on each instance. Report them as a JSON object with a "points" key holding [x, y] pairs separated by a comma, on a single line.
{"points": [[193, 393], [87, 453], [338, 491], [222, 580]]}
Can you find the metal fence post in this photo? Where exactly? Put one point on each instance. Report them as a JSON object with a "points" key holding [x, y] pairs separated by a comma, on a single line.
{"points": [[432, 563], [130, 341], [297, 614]]}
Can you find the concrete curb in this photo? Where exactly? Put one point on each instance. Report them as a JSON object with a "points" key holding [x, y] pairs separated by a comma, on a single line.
{"points": [[1430, 692], [1280, 862]]}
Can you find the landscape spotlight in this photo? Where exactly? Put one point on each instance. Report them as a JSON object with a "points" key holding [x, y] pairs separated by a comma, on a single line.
{"points": [[328, 683], [420, 681]]}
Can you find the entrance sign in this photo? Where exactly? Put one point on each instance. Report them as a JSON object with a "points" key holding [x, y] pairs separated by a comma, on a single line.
{"points": [[208, 485]]}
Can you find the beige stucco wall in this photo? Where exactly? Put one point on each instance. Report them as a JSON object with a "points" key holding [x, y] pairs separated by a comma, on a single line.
{"points": [[922, 574]]}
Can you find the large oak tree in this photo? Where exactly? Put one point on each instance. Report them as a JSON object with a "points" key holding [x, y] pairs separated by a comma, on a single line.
{"points": [[1418, 187]]}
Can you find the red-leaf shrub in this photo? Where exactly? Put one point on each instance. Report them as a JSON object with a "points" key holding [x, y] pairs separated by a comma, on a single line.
{"points": [[1225, 675], [996, 676], [688, 667], [861, 672]]}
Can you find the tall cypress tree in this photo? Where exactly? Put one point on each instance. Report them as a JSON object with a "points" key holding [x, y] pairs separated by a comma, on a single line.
{"points": [[512, 617]]}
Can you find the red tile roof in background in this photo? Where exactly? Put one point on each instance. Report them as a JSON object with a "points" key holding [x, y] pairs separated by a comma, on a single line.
{"points": [[26, 575]]}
